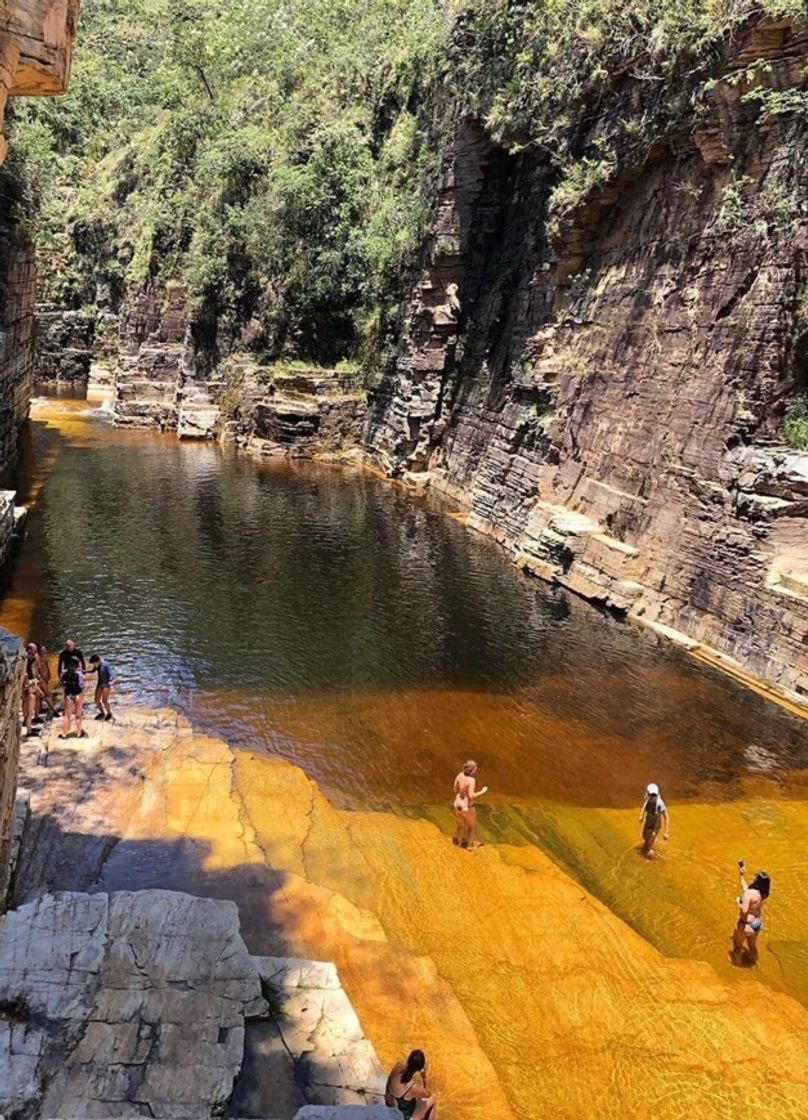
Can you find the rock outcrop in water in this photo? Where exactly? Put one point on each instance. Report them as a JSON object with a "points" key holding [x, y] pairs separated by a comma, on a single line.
{"points": [[606, 401]]}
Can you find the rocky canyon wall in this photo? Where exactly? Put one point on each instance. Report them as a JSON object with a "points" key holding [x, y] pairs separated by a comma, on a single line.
{"points": [[17, 357], [11, 662], [36, 40], [606, 400], [36, 49]]}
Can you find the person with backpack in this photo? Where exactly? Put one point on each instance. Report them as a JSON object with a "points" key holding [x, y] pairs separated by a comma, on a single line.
{"points": [[103, 684], [72, 681]]}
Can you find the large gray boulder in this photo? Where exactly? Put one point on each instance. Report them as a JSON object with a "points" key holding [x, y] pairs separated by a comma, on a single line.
{"points": [[121, 1005]]}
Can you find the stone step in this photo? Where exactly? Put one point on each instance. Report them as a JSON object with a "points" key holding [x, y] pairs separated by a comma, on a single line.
{"points": [[615, 545], [794, 584], [569, 521]]}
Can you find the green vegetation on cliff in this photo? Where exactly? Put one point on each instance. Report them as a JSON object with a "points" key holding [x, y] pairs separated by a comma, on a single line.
{"points": [[282, 158], [267, 153]]}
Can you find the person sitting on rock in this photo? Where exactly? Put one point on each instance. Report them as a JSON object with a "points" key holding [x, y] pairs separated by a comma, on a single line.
{"points": [[408, 1090], [103, 684]]}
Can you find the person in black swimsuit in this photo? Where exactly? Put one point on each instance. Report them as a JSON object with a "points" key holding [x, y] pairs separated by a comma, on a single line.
{"points": [[408, 1090], [66, 656], [72, 681]]}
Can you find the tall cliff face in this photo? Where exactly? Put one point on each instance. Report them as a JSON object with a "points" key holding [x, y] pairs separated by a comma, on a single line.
{"points": [[36, 40], [36, 43], [17, 296], [606, 400]]}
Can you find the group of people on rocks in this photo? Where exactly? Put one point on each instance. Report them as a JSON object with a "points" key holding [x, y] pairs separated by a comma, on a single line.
{"points": [[71, 674]]}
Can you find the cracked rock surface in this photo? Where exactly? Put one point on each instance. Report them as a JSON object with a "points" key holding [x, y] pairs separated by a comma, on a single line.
{"points": [[123, 1004], [312, 1051]]}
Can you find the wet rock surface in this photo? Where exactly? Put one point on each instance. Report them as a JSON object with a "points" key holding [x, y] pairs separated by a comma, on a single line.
{"points": [[129, 1004]]}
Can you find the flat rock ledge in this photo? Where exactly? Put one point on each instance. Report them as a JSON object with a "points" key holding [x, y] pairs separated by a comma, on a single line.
{"points": [[139, 1003], [124, 1004], [311, 1057]]}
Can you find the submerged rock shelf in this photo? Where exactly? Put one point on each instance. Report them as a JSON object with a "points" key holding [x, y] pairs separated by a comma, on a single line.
{"points": [[519, 967]]}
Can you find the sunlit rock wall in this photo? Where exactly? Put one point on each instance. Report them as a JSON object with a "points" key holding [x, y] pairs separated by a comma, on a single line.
{"points": [[607, 401], [153, 352], [36, 45], [36, 41]]}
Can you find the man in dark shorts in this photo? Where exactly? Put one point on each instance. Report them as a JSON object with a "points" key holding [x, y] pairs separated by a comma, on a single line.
{"points": [[103, 684], [66, 656]]}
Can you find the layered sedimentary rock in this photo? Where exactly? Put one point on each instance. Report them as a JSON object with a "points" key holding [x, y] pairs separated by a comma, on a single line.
{"points": [[69, 342], [606, 401], [11, 662], [301, 412], [17, 330], [153, 351], [36, 41], [36, 45]]}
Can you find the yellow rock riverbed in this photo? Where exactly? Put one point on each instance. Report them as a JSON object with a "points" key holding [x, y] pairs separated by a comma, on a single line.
{"points": [[532, 997]]}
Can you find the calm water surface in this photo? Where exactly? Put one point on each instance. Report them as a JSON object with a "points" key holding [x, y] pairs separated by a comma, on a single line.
{"points": [[332, 619]]}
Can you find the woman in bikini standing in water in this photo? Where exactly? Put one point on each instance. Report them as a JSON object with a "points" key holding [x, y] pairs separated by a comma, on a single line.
{"points": [[466, 794], [750, 914]]}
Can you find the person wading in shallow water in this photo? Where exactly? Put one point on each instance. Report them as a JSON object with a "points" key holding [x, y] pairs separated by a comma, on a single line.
{"points": [[408, 1090], [103, 683], [466, 793], [750, 914], [653, 812], [72, 681]]}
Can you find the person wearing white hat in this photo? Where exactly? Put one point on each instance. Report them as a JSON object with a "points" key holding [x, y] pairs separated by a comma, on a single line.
{"points": [[653, 812]]}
